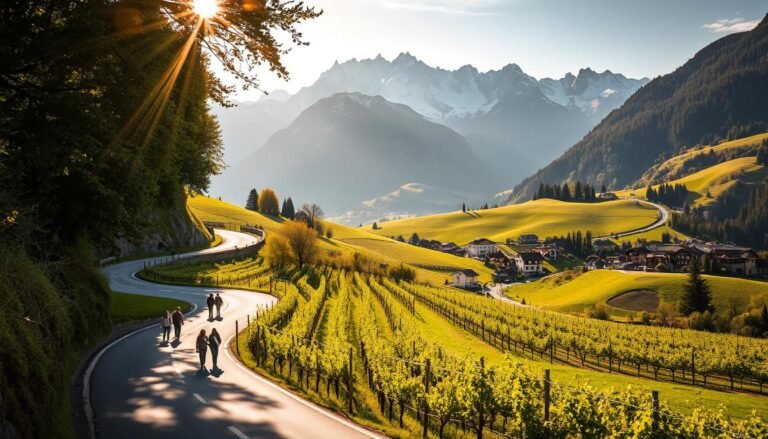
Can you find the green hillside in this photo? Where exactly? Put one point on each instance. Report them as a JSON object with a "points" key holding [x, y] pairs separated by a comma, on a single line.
{"points": [[558, 293], [432, 266], [705, 186], [543, 217], [696, 158]]}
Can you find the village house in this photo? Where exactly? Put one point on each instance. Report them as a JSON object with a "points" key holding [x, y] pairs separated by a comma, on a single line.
{"points": [[595, 262], [481, 248], [726, 258], [529, 263], [732, 259], [549, 251], [528, 238], [607, 196], [466, 278], [452, 248]]}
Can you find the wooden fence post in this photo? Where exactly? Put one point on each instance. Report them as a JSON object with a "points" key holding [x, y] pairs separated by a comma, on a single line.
{"points": [[426, 392], [349, 383], [693, 366], [546, 396], [237, 337], [655, 399]]}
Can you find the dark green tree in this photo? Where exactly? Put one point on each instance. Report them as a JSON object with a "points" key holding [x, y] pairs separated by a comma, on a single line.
{"points": [[697, 296], [288, 210], [414, 239], [762, 155], [253, 201]]}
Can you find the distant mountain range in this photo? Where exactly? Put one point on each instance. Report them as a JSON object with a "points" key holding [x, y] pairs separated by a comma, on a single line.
{"points": [[715, 95], [451, 97], [350, 147], [513, 123]]}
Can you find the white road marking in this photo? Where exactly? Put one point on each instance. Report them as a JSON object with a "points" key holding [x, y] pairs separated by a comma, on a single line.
{"points": [[236, 431], [199, 398]]}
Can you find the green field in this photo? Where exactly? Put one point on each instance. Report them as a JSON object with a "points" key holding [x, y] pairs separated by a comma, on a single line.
{"points": [[127, 308], [431, 266], [542, 217], [715, 180], [597, 286]]}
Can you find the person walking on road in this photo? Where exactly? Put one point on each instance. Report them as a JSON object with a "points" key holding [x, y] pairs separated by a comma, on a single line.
{"points": [[177, 318], [165, 323], [214, 341], [201, 347], [210, 301], [218, 301]]}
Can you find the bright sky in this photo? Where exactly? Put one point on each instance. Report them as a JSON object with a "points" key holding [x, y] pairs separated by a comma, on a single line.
{"points": [[545, 37]]}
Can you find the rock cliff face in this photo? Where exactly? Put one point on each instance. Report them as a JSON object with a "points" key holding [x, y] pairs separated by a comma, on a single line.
{"points": [[176, 227]]}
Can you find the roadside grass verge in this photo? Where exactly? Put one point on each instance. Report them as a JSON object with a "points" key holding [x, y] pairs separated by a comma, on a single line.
{"points": [[127, 308]]}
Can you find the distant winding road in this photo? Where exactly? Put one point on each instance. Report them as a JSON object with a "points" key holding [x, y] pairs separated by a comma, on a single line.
{"points": [[663, 218], [136, 388]]}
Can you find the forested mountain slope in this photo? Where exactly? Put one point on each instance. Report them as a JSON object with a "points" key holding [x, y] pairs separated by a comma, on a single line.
{"points": [[714, 95]]}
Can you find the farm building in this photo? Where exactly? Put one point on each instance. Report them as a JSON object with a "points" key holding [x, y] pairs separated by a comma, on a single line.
{"points": [[528, 238], [529, 263], [466, 278], [480, 248]]}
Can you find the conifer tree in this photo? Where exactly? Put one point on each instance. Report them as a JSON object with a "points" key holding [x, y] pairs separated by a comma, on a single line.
{"points": [[253, 201], [697, 296], [288, 211], [577, 193], [565, 193]]}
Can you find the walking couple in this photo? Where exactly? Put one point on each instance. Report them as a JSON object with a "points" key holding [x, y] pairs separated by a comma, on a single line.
{"points": [[203, 343], [176, 319], [214, 301]]}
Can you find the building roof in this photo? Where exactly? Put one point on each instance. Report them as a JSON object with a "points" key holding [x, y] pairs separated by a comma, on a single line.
{"points": [[468, 272], [530, 256], [482, 241]]}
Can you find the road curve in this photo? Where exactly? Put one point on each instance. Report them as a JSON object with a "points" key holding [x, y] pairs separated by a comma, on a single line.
{"points": [[138, 388], [663, 218]]}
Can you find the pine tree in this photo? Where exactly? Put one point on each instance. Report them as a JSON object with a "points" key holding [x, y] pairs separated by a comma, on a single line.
{"points": [[696, 292], [288, 210], [603, 189], [253, 201], [565, 193], [464, 207], [577, 192], [762, 154], [375, 226], [414, 239]]}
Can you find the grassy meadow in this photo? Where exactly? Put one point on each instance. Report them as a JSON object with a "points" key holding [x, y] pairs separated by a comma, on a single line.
{"points": [[573, 292], [543, 217]]}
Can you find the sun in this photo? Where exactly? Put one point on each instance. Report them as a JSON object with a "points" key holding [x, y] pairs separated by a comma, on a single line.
{"points": [[205, 8]]}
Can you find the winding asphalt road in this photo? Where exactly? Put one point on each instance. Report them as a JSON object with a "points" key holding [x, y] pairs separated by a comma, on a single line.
{"points": [[139, 388]]}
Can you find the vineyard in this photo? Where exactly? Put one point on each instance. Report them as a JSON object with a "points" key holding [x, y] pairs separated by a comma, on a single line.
{"points": [[354, 341]]}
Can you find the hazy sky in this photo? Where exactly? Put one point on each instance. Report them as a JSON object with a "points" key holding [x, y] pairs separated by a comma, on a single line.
{"points": [[545, 37]]}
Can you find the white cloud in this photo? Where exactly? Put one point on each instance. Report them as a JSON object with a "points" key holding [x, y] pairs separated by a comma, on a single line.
{"points": [[730, 25], [460, 7]]}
